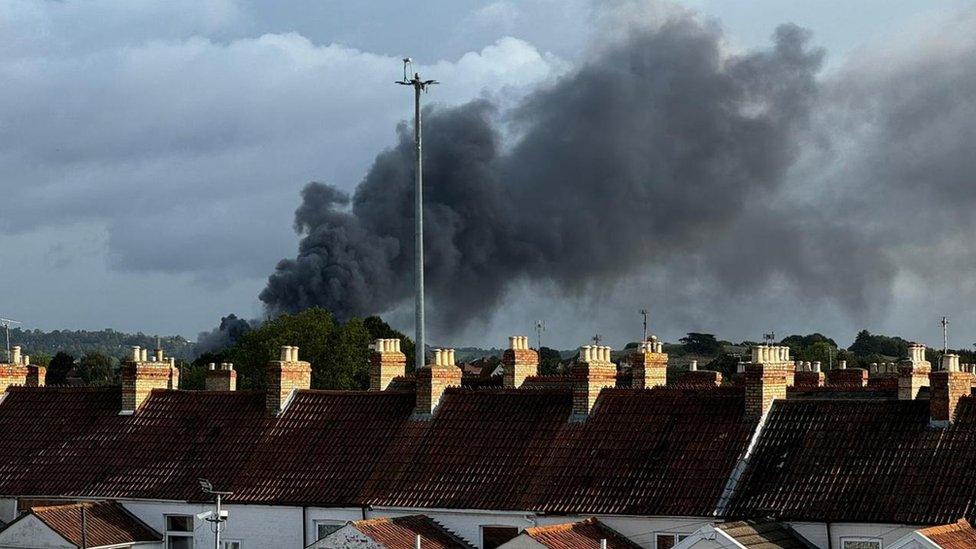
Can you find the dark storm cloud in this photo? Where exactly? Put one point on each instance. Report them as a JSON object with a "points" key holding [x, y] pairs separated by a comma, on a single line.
{"points": [[658, 146]]}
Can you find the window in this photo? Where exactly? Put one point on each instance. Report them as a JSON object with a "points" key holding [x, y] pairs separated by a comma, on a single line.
{"points": [[232, 544], [668, 540], [860, 543], [179, 531], [325, 527], [493, 536]]}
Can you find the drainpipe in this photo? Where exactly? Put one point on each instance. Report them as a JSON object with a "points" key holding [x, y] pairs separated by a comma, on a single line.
{"points": [[830, 538], [304, 526]]}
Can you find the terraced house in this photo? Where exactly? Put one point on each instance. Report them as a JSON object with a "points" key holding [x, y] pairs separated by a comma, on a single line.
{"points": [[781, 455]]}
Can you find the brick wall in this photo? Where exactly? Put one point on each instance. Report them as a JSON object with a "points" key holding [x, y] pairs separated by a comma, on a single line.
{"points": [[700, 378], [946, 390], [649, 369], [140, 378], [805, 380], [221, 379], [283, 378], [764, 383], [432, 380], [383, 367], [519, 364], [36, 376], [912, 376], [12, 374], [589, 378], [847, 377]]}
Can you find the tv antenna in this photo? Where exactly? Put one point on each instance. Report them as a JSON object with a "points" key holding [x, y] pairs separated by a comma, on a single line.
{"points": [[769, 338], [540, 326], [945, 335], [596, 339], [643, 313], [419, 85], [6, 322]]}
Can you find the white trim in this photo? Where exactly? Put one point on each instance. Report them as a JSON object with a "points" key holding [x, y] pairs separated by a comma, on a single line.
{"points": [[733, 482]]}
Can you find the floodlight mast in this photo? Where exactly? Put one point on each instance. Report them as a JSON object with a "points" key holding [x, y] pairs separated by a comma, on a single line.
{"points": [[218, 517], [418, 86]]}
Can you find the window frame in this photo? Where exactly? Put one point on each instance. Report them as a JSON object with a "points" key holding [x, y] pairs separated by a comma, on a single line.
{"points": [[330, 522], [677, 537], [863, 539], [189, 534], [481, 531]]}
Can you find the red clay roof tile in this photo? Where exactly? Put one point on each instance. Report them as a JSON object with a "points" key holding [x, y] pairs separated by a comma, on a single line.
{"points": [[578, 535], [402, 532], [106, 523]]}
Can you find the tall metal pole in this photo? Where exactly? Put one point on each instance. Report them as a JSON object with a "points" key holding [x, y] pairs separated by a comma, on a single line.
{"points": [[217, 529], [418, 86]]}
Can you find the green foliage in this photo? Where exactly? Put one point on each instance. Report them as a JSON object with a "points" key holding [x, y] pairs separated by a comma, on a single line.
{"points": [[867, 344], [727, 363], [378, 329], [107, 342], [339, 353], [549, 361], [193, 375], [58, 368], [701, 344], [96, 369], [796, 343]]}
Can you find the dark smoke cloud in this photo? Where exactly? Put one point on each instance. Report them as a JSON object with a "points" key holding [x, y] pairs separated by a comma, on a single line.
{"points": [[658, 146], [230, 330]]}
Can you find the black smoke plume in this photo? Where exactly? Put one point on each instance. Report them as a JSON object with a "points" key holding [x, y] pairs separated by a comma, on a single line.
{"points": [[656, 148]]}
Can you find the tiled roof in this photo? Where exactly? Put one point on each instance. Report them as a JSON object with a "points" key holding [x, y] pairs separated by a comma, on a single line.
{"points": [[958, 535], [659, 451], [762, 534], [861, 461], [106, 523], [577, 535], [402, 532]]}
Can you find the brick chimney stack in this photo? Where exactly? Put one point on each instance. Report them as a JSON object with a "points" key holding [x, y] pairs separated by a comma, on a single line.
{"points": [[141, 375], [222, 377], [519, 362], [808, 375], [592, 374], [285, 376], [386, 362], [433, 379], [649, 365], [948, 385], [766, 377], [14, 372], [913, 373]]}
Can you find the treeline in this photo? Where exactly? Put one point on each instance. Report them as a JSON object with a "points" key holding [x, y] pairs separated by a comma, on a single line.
{"points": [[42, 346], [338, 352]]}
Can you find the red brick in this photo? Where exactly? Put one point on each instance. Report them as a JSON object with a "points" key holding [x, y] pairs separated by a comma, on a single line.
{"points": [[432, 381], [648, 369], [519, 364], [946, 390], [384, 367]]}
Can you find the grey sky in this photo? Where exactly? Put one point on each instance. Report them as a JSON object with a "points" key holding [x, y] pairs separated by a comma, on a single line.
{"points": [[152, 153]]}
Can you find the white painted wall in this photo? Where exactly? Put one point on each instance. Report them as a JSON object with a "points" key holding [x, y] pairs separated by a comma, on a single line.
{"points": [[258, 526], [816, 532], [344, 538], [467, 524], [8, 509], [30, 532]]}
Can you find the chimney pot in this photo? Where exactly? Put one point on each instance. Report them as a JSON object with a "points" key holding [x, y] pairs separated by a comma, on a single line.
{"points": [[386, 363], [519, 362], [211, 366], [15, 354], [693, 366], [764, 382], [140, 377], [144, 355], [136, 354], [590, 376]]}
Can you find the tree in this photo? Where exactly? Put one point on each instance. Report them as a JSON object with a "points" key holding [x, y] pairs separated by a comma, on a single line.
{"points": [[549, 361], [378, 329], [867, 344], [57, 370], [701, 344], [96, 369]]}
